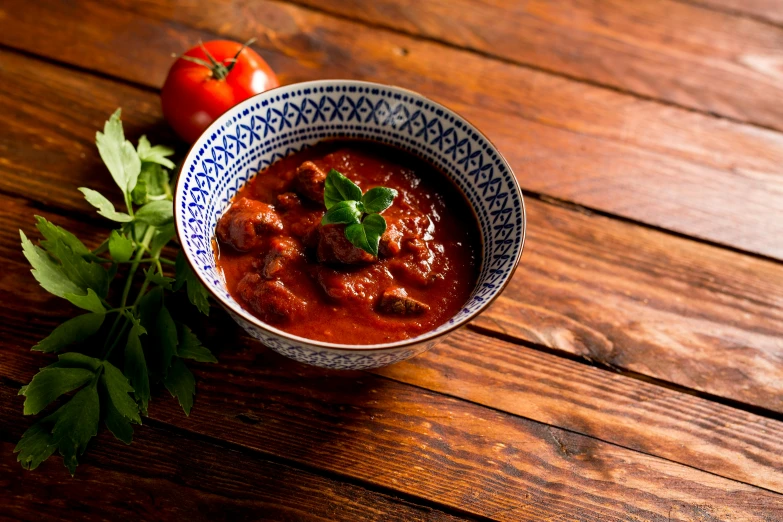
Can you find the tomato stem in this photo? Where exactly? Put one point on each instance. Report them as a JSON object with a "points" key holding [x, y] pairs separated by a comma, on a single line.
{"points": [[219, 69]]}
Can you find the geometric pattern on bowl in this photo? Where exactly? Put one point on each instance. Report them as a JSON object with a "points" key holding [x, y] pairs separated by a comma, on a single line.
{"points": [[274, 124]]}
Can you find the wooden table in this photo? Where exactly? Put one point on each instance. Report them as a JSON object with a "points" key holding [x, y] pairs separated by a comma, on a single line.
{"points": [[632, 370]]}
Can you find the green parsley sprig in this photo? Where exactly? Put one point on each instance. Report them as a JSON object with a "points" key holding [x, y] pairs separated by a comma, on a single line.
{"points": [[346, 205], [115, 351]]}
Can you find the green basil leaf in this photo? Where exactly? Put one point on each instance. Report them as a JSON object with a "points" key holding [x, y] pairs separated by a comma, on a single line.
{"points": [[181, 384], [378, 199], [50, 383], [197, 294], [367, 236], [358, 237], [136, 366], [117, 387], [156, 154], [75, 423], [36, 445], [71, 332], [118, 154], [344, 212], [53, 233], [104, 206], [338, 188], [90, 302], [190, 347], [49, 274], [156, 213], [120, 247]]}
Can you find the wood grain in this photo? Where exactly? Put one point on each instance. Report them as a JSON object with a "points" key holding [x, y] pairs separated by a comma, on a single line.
{"points": [[460, 455], [170, 475], [668, 167], [652, 419], [627, 297], [663, 49], [770, 11]]}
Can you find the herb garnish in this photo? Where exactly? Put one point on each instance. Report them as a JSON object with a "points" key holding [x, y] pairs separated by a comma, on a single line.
{"points": [[346, 205], [118, 350]]}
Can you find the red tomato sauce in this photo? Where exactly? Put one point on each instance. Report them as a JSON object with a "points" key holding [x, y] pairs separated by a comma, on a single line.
{"points": [[307, 279]]}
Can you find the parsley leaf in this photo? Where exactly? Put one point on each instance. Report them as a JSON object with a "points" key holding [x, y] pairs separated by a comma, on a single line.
{"points": [[136, 366], [118, 154], [35, 446], [75, 424], [76, 360], [197, 294], [153, 184], [65, 267], [50, 383], [181, 384], [120, 247], [161, 238], [46, 271], [104, 206], [90, 301], [165, 338], [190, 347], [71, 332], [156, 213], [53, 233], [118, 388], [156, 154]]}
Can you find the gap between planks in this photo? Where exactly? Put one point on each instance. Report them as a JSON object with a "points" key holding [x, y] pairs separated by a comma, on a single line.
{"points": [[294, 464], [587, 361], [739, 405], [545, 198], [537, 68], [732, 12]]}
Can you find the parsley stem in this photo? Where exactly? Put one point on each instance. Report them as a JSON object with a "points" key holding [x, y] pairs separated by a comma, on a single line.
{"points": [[118, 337], [128, 283]]}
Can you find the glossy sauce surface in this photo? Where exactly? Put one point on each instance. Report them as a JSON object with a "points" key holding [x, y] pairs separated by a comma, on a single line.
{"points": [[307, 279]]}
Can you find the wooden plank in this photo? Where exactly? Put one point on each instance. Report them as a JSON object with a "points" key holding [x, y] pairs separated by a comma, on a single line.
{"points": [[169, 475], [627, 297], [661, 165], [770, 11], [455, 453], [652, 419], [663, 49], [512, 378]]}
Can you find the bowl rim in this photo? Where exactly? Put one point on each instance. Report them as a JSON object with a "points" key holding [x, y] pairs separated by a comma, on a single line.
{"points": [[255, 321]]}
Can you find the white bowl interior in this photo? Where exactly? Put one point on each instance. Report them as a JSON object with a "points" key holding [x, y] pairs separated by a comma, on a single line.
{"points": [[272, 125]]}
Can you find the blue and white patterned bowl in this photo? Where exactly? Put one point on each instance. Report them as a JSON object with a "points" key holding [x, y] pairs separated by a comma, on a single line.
{"points": [[274, 124]]}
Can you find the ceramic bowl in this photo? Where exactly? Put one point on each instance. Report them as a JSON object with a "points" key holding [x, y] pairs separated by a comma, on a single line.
{"points": [[274, 124]]}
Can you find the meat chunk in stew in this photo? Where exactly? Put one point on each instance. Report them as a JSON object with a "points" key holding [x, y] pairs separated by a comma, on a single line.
{"points": [[287, 201], [395, 300], [283, 251], [271, 300], [246, 223], [334, 247], [309, 181]]}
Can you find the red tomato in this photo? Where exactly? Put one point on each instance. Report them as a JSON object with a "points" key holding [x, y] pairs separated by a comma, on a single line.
{"points": [[203, 85]]}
